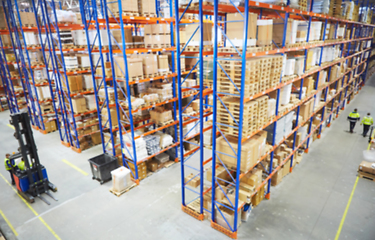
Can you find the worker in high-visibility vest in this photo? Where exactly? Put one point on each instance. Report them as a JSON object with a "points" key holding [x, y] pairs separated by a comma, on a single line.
{"points": [[367, 121], [21, 165], [8, 166], [353, 118]]}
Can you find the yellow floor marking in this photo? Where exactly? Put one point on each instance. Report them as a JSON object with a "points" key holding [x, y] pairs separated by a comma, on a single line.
{"points": [[75, 167], [346, 210], [9, 224], [10, 126], [32, 209]]}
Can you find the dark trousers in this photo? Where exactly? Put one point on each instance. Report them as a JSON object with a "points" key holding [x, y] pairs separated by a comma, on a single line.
{"points": [[365, 129], [11, 176], [352, 125]]}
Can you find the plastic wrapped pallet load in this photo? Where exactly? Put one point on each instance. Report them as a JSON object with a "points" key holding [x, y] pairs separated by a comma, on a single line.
{"points": [[279, 134], [290, 66], [285, 94], [120, 179], [140, 146], [31, 38]]}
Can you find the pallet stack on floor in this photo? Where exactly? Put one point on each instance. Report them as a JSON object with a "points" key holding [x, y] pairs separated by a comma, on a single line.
{"points": [[270, 102]]}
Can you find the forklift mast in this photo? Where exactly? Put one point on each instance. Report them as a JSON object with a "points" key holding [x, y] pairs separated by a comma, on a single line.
{"points": [[38, 182]]}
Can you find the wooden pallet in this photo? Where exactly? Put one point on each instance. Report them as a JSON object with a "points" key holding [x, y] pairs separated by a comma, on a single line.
{"points": [[366, 175], [126, 14], [146, 14], [196, 48], [231, 50], [164, 123], [118, 194]]}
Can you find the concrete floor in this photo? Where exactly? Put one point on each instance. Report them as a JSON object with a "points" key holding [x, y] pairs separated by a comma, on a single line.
{"points": [[308, 204]]}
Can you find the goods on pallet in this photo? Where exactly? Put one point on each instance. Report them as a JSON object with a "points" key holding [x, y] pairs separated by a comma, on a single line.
{"points": [[31, 39], [320, 6], [235, 29], [147, 8], [207, 34], [142, 170], [283, 128], [152, 144], [165, 140], [161, 115], [251, 150], [264, 32], [74, 82], [135, 67], [139, 143], [162, 158], [120, 179]]}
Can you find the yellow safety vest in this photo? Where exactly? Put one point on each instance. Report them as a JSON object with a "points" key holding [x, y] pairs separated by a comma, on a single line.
{"points": [[8, 164], [354, 115], [367, 121], [21, 166]]}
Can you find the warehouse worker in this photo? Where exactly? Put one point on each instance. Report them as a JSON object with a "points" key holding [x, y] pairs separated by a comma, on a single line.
{"points": [[367, 121], [353, 118], [8, 166], [21, 165]]}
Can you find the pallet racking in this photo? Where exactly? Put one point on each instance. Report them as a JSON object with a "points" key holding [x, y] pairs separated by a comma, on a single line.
{"points": [[220, 200], [16, 87], [120, 123]]}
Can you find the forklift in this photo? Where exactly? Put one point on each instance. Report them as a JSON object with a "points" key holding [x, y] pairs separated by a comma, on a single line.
{"points": [[32, 181]]}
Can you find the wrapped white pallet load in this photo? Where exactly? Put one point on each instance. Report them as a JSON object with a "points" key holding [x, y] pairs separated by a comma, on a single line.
{"points": [[285, 93], [120, 179], [165, 140], [289, 66], [140, 146], [31, 38]]}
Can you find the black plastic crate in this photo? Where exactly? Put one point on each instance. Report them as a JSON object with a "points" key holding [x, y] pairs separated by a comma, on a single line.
{"points": [[101, 167]]}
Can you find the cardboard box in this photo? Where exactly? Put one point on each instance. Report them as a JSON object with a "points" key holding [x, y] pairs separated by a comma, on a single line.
{"points": [[96, 138], [163, 63], [207, 34], [112, 114], [135, 67], [265, 28], [117, 35], [229, 217], [249, 152], [160, 116], [146, 7], [150, 63], [74, 82], [160, 29], [367, 167], [278, 31], [235, 30], [192, 181], [286, 168], [79, 104], [152, 165], [277, 177]]}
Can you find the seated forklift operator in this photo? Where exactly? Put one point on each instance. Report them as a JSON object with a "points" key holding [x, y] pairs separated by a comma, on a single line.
{"points": [[21, 165]]}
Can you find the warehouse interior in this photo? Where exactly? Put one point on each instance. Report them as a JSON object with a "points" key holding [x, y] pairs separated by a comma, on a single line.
{"points": [[187, 119]]}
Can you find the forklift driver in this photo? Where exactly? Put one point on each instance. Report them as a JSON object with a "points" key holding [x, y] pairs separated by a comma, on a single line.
{"points": [[21, 165]]}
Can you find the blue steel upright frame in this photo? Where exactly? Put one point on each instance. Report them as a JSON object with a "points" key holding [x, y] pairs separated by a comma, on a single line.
{"points": [[71, 138], [195, 159], [7, 80]]}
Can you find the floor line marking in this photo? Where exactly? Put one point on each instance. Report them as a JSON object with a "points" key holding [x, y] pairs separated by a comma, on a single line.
{"points": [[32, 209], [9, 224], [75, 167], [346, 210], [10, 126]]}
